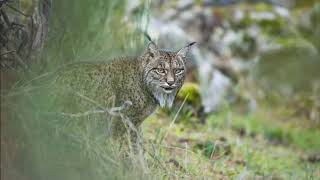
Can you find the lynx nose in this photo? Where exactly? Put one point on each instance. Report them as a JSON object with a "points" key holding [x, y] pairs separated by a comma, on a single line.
{"points": [[170, 81]]}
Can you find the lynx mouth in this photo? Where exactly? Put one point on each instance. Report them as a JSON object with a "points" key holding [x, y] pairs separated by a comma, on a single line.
{"points": [[168, 89]]}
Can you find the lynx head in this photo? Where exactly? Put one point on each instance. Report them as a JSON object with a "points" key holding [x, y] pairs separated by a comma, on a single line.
{"points": [[164, 72]]}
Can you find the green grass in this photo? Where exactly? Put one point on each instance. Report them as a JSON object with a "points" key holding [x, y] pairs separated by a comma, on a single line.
{"points": [[233, 145], [271, 129]]}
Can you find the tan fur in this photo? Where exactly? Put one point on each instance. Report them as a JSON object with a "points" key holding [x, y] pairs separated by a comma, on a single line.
{"points": [[142, 81]]}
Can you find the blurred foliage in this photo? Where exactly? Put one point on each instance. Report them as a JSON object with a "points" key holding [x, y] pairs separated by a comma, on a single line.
{"points": [[277, 132], [305, 4], [94, 30], [48, 144], [294, 68], [311, 30]]}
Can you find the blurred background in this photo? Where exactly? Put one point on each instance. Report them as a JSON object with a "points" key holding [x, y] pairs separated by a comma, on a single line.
{"points": [[250, 107]]}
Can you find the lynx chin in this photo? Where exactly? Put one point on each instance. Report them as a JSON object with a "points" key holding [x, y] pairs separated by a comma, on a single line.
{"points": [[151, 79]]}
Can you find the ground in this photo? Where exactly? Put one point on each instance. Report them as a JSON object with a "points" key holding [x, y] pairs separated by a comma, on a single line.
{"points": [[232, 145]]}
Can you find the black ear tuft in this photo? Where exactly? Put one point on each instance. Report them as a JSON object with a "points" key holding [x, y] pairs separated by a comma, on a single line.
{"points": [[191, 44], [147, 36], [152, 49], [184, 51]]}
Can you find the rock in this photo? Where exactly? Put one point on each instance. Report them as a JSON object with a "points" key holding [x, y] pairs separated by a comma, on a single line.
{"points": [[213, 84], [213, 96], [198, 22], [241, 44], [168, 35], [169, 14], [284, 12], [183, 4]]}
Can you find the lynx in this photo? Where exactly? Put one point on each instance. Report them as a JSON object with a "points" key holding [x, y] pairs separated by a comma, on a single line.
{"points": [[141, 83]]}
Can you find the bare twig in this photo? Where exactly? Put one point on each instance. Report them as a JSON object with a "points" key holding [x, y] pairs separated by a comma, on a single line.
{"points": [[8, 52], [5, 18], [88, 99], [17, 10], [115, 111], [76, 115], [17, 57]]}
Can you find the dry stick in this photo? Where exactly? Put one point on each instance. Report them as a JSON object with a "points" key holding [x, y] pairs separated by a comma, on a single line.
{"points": [[8, 52], [17, 10], [89, 100], [5, 18], [38, 77], [113, 111], [83, 113]]}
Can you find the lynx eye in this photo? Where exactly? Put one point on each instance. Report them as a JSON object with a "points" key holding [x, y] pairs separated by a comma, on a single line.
{"points": [[161, 71], [178, 71]]}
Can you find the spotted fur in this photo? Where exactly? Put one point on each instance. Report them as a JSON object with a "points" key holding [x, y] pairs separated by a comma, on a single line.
{"points": [[146, 81]]}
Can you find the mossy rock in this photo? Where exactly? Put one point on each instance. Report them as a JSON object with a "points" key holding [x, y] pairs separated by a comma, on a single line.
{"points": [[191, 92]]}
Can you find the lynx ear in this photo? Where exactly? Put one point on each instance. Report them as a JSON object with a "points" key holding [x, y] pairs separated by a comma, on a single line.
{"points": [[184, 51], [152, 49]]}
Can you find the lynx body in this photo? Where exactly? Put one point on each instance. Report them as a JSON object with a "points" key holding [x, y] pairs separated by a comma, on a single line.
{"points": [[143, 82]]}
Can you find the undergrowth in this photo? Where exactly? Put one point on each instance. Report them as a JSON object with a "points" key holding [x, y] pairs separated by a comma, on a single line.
{"points": [[42, 143]]}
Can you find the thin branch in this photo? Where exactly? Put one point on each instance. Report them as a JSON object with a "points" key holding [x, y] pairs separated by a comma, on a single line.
{"points": [[83, 114], [89, 100], [8, 52], [5, 18], [17, 24], [17, 10], [17, 57]]}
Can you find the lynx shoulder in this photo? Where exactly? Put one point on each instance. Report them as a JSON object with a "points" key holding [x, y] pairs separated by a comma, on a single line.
{"points": [[142, 82]]}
